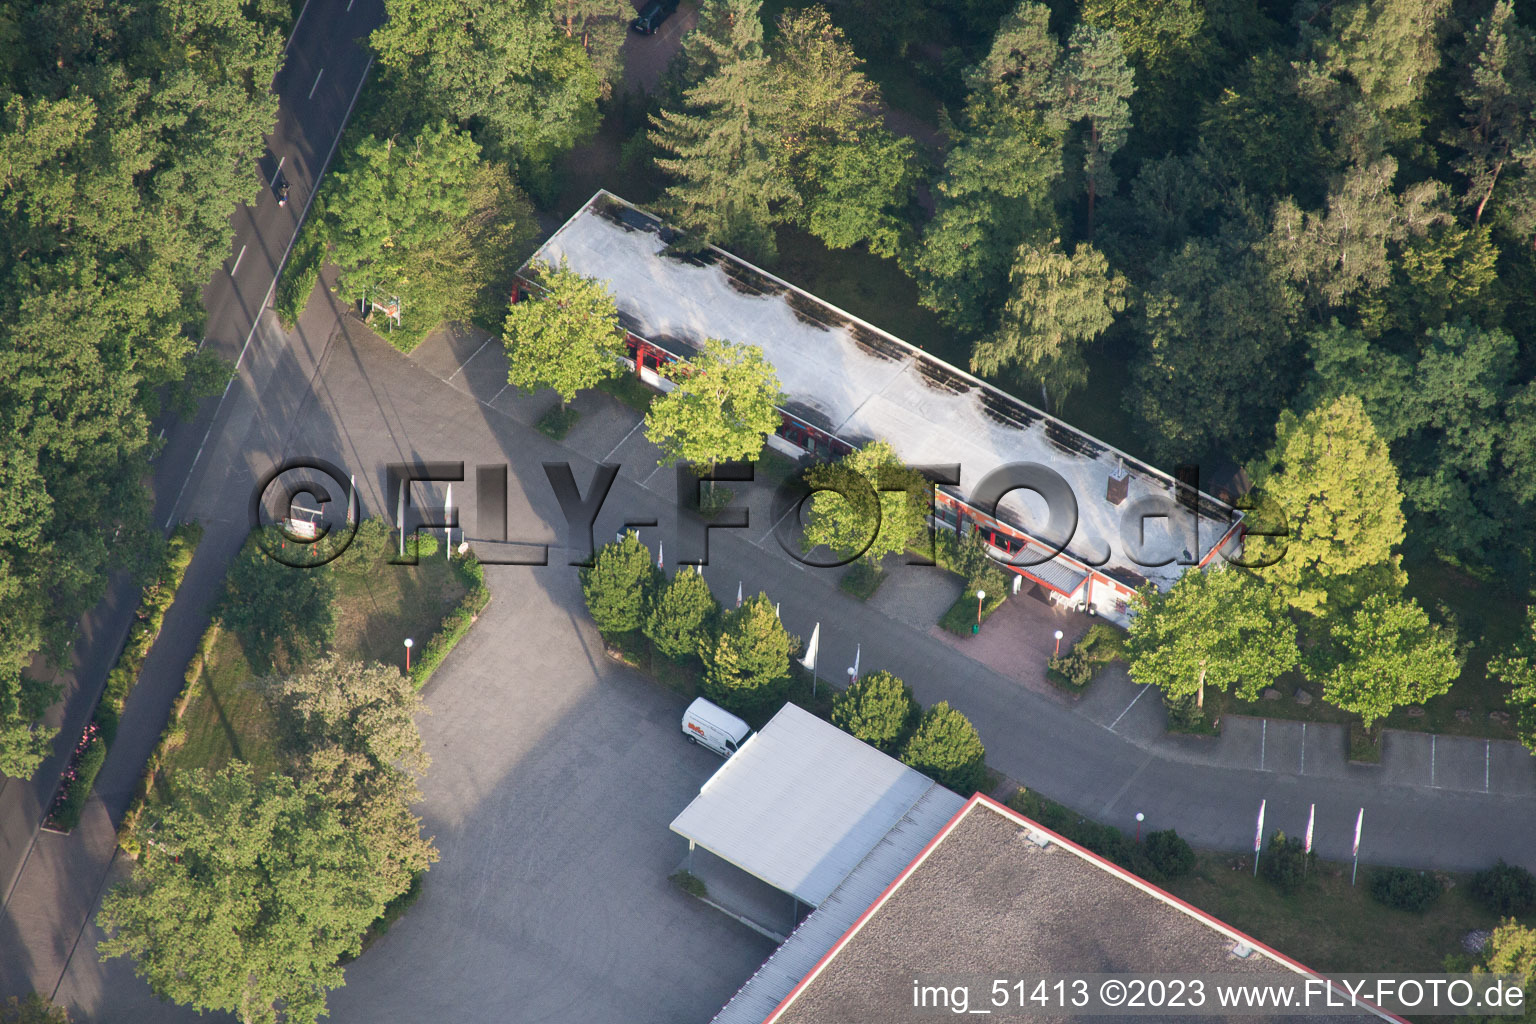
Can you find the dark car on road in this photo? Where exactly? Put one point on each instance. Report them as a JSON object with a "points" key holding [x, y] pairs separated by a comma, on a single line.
{"points": [[652, 15]]}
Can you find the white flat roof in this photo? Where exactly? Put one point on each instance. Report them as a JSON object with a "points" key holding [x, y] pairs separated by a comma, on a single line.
{"points": [[801, 804], [859, 383]]}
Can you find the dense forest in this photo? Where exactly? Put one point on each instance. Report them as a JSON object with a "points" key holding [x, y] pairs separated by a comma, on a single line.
{"points": [[1211, 217]]}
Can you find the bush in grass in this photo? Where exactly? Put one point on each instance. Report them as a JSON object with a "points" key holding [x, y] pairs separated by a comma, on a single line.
{"points": [[1184, 713], [1076, 666], [1506, 889], [370, 548], [746, 669], [421, 544], [1404, 889], [455, 624], [619, 584], [946, 748], [79, 778], [1170, 854], [682, 616], [878, 709], [1286, 863], [32, 1010]]}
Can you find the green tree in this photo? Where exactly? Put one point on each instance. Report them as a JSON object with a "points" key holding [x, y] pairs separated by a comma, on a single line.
{"points": [[1497, 88], [1170, 45], [272, 606], [1214, 295], [946, 748], [619, 584], [873, 505], [682, 618], [1221, 628], [1286, 861], [723, 408], [854, 177], [1389, 655], [247, 899], [507, 68], [879, 709], [728, 177], [1057, 304], [568, 338], [747, 666], [1387, 48], [600, 26], [1516, 668], [1511, 949], [25, 741], [1092, 86], [351, 730], [1331, 476], [32, 1010], [390, 198]]}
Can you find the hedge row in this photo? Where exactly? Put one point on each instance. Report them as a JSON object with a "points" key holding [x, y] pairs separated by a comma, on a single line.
{"points": [[455, 624], [1162, 857], [127, 837], [158, 596]]}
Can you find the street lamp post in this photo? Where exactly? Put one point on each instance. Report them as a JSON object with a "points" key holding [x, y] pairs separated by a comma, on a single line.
{"points": [[1058, 644], [408, 644], [1139, 819], [981, 595]]}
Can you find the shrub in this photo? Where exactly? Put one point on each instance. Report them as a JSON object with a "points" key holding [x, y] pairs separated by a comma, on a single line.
{"points": [[421, 544], [266, 603], [619, 584], [455, 624], [1506, 889], [690, 883], [1170, 854], [682, 616], [1185, 716], [1286, 862], [301, 271], [1076, 667], [878, 709], [79, 777], [1404, 889], [946, 748]]}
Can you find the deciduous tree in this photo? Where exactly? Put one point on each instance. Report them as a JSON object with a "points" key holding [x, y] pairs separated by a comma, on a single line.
{"points": [[32, 1010], [868, 504], [1223, 628], [1516, 668], [567, 337], [1331, 475], [250, 894], [722, 409], [878, 708], [25, 741], [1092, 86], [269, 605], [1057, 303], [1389, 655]]}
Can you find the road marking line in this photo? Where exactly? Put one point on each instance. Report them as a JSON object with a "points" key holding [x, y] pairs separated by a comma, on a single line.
{"points": [[1263, 734], [1487, 756], [256, 322], [465, 363], [279, 172], [775, 526], [1303, 749], [316, 85], [1431, 760], [626, 437], [1128, 707], [349, 5], [238, 257]]}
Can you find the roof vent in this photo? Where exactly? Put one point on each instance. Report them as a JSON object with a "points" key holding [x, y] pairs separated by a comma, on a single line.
{"points": [[1119, 486], [1242, 950], [1040, 839]]}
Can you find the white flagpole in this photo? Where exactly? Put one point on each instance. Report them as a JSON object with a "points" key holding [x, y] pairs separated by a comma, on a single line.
{"points": [[1258, 838], [400, 516], [809, 661], [1359, 820], [448, 518]]}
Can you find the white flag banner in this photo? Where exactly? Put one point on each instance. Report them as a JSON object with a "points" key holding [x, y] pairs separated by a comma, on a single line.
{"points": [[1311, 819], [857, 650], [776, 611], [1359, 820], [400, 517], [1258, 833], [661, 555], [351, 499], [809, 661], [738, 593], [448, 518]]}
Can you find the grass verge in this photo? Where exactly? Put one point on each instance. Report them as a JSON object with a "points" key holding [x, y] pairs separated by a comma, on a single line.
{"points": [[1364, 744], [631, 390], [302, 271], [961, 615]]}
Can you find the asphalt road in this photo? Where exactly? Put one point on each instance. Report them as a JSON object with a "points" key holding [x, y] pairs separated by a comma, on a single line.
{"points": [[42, 875]]}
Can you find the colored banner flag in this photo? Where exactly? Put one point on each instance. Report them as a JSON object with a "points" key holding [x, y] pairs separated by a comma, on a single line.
{"points": [[1311, 818], [1359, 820], [661, 555], [1258, 833], [809, 661], [448, 518]]}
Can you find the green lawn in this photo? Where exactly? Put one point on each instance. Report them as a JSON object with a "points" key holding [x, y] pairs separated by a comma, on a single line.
{"points": [[1328, 925], [229, 717]]}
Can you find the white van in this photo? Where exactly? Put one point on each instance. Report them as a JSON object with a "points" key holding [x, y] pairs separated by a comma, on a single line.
{"points": [[710, 725]]}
